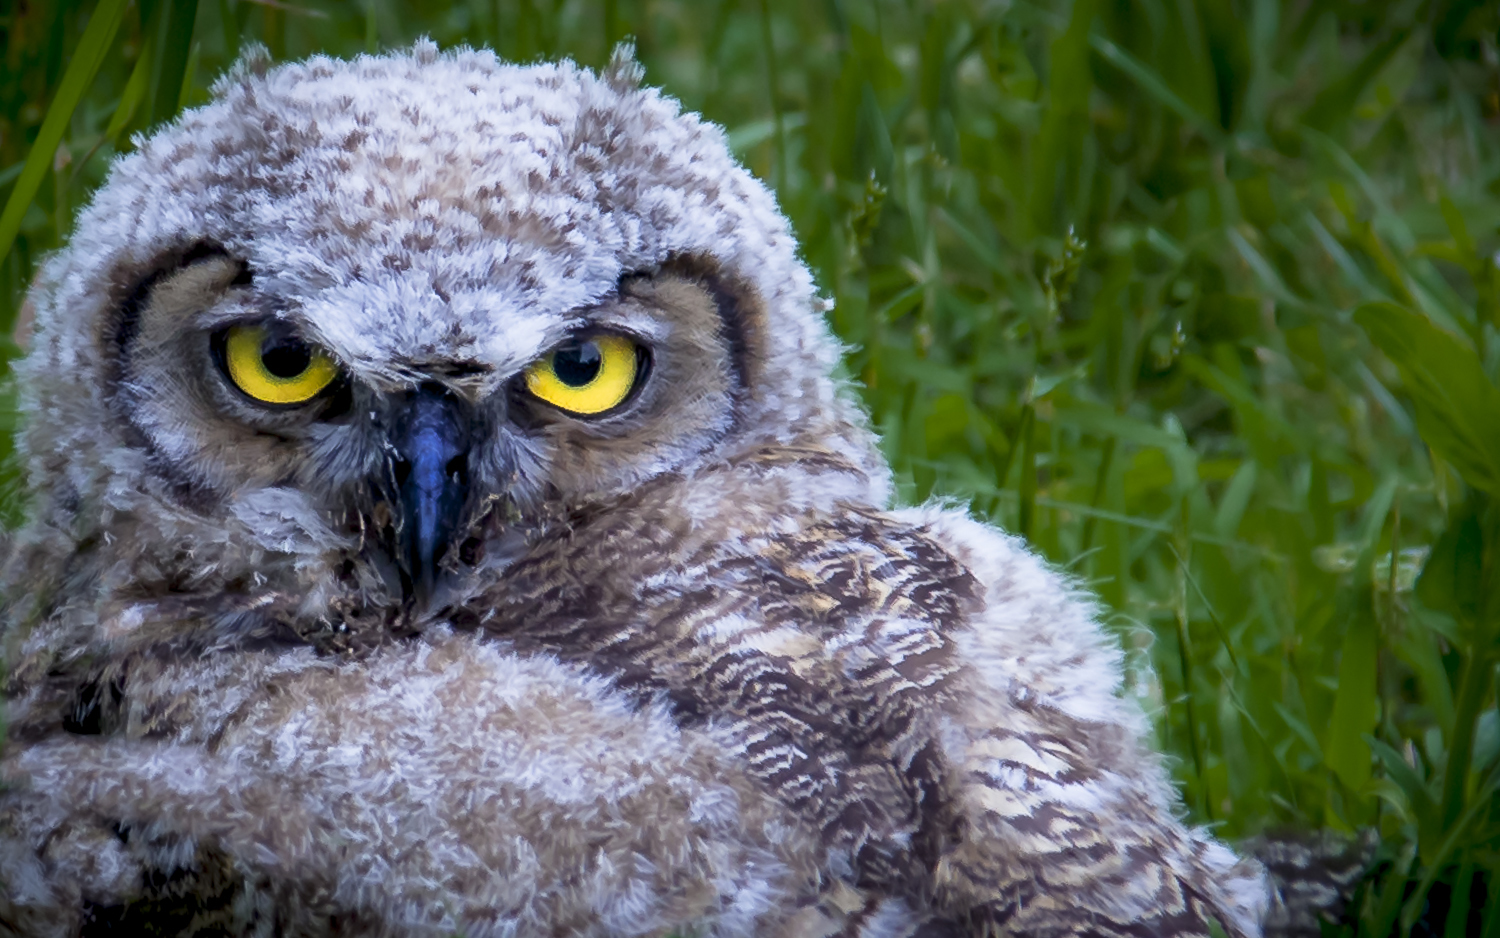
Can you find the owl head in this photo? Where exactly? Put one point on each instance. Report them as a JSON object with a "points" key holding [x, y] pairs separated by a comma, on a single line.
{"points": [[354, 328]]}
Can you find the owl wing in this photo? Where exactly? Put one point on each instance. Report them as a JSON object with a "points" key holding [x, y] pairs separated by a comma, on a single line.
{"points": [[1073, 814], [1058, 839], [911, 685]]}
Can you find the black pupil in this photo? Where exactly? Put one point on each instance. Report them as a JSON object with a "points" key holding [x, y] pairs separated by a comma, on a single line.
{"points": [[285, 357], [577, 365]]}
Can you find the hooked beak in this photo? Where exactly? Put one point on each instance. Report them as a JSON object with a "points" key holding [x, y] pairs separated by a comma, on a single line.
{"points": [[431, 439]]}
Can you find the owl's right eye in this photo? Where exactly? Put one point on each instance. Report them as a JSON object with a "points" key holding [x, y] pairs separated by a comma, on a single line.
{"points": [[271, 364]]}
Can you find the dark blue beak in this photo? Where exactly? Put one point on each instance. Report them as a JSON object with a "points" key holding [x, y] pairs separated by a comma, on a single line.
{"points": [[432, 471]]}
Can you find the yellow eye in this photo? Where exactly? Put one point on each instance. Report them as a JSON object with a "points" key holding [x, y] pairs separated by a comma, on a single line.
{"points": [[274, 366], [586, 376]]}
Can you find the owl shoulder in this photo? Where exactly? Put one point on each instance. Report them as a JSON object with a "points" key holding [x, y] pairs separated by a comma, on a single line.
{"points": [[1034, 631]]}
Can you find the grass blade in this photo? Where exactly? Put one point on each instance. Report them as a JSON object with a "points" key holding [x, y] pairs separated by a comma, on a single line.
{"points": [[1153, 85], [1356, 702], [174, 44], [87, 57]]}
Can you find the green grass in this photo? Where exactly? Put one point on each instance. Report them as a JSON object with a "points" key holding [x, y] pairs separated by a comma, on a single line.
{"points": [[1199, 295]]}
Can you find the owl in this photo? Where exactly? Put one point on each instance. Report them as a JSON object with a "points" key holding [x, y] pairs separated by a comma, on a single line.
{"points": [[445, 520]]}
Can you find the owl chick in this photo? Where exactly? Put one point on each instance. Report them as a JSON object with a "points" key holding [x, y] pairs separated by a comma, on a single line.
{"points": [[445, 518]]}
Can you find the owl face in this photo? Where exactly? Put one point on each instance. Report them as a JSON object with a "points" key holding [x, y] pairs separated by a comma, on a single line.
{"points": [[235, 390], [369, 323]]}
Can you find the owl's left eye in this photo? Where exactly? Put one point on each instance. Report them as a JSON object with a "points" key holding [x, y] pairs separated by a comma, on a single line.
{"points": [[587, 376], [273, 365]]}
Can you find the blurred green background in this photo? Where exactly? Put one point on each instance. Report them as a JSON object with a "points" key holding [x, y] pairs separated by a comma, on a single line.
{"points": [[1200, 296]]}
